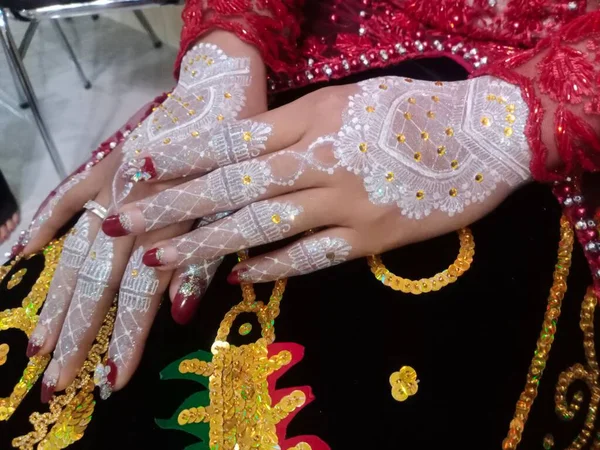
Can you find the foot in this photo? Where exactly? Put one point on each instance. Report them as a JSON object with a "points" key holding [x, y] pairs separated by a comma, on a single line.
{"points": [[8, 227]]}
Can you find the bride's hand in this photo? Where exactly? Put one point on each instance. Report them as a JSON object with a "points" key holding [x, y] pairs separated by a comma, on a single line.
{"points": [[372, 166], [214, 88]]}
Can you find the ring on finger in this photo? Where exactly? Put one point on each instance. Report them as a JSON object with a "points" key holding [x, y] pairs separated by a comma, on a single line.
{"points": [[96, 208]]}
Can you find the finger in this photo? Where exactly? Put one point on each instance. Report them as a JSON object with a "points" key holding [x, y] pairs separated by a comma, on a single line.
{"points": [[257, 224], [67, 200], [225, 189], [140, 294], [97, 284], [188, 286], [319, 251], [191, 152], [75, 249]]}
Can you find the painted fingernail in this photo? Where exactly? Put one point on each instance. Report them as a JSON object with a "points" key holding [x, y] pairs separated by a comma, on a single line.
{"points": [[117, 225], [105, 377], [237, 276], [49, 381], [140, 169], [36, 341], [160, 256], [186, 301]]}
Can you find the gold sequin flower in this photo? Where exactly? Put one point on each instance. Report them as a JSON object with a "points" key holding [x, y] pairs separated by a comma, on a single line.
{"points": [[404, 383]]}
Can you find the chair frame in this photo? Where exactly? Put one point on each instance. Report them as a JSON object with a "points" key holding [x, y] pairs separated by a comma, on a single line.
{"points": [[15, 54]]}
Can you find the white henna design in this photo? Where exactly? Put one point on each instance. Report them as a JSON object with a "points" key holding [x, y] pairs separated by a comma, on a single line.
{"points": [[91, 283], [210, 92], [75, 249], [138, 286], [305, 256]]}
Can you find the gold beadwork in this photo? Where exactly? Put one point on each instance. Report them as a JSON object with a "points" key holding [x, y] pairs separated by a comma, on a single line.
{"points": [[16, 278], [370, 109], [276, 218], [508, 131], [435, 98], [167, 141], [363, 147], [485, 121], [407, 115], [246, 179], [453, 192], [441, 150], [491, 97], [408, 80], [417, 156], [431, 114], [412, 100], [438, 83], [546, 337], [510, 108], [454, 164], [71, 412], [389, 176], [301, 446], [404, 383], [420, 195], [4, 349], [479, 177], [245, 329], [247, 136], [383, 87], [195, 134], [449, 131], [435, 283], [401, 138], [424, 135], [227, 95], [24, 318], [220, 117], [134, 273], [510, 118]]}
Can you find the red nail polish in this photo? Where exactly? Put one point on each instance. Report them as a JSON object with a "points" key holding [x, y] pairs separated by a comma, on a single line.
{"points": [[112, 375], [149, 168], [236, 277], [114, 226], [47, 392], [186, 301], [152, 258], [32, 349]]}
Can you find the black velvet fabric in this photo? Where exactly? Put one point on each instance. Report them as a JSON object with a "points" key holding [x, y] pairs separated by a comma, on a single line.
{"points": [[471, 344]]}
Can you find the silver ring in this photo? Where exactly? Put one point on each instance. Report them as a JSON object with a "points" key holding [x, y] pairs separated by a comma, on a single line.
{"points": [[96, 208]]}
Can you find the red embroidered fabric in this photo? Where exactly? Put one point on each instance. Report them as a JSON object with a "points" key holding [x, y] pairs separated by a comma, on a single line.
{"points": [[342, 37], [273, 26], [560, 81]]}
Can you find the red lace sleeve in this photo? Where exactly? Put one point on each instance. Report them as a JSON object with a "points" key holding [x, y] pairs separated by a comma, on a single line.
{"points": [[273, 26]]}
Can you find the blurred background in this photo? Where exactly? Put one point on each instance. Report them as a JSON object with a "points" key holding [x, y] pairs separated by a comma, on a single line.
{"points": [[125, 70]]}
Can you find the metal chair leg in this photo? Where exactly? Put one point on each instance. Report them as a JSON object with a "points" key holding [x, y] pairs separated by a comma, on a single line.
{"points": [[63, 36], [146, 25], [13, 71], [10, 48], [24, 45]]}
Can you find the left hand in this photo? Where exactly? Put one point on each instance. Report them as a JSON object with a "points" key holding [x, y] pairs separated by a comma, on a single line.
{"points": [[375, 166]]}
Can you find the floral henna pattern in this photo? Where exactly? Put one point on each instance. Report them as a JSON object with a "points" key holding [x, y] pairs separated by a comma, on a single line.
{"points": [[303, 257], [91, 283], [75, 250], [210, 93], [426, 146]]}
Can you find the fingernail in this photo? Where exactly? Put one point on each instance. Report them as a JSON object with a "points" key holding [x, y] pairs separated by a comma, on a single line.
{"points": [[160, 256], [117, 225], [237, 276], [105, 377], [49, 382], [186, 301], [36, 341], [140, 169]]}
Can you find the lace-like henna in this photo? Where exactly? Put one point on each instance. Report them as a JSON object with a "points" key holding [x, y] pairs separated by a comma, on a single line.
{"points": [[306, 256], [272, 26], [75, 250], [210, 92], [138, 286]]}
